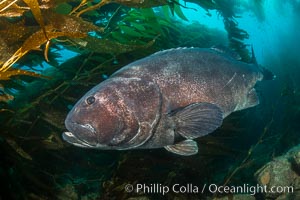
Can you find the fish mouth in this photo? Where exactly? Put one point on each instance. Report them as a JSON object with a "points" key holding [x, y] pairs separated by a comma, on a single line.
{"points": [[82, 135], [72, 139]]}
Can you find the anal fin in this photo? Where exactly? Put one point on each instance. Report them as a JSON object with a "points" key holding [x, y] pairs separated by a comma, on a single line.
{"points": [[252, 98], [184, 148]]}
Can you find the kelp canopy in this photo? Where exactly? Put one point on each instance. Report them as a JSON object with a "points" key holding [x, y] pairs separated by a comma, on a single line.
{"points": [[39, 84], [30, 25]]}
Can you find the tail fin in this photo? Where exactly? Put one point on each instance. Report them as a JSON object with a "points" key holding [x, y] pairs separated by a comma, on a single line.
{"points": [[268, 75]]}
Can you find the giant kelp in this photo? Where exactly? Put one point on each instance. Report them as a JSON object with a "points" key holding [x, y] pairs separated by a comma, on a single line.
{"points": [[106, 36], [59, 19]]}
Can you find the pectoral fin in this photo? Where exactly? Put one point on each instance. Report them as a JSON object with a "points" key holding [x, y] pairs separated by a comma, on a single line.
{"points": [[196, 120], [184, 148]]}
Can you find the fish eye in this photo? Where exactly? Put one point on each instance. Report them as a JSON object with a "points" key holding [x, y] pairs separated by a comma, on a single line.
{"points": [[90, 100]]}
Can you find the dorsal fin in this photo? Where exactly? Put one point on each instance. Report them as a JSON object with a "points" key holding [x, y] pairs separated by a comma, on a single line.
{"points": [[253, 58], [225, 50], [172, 49]]}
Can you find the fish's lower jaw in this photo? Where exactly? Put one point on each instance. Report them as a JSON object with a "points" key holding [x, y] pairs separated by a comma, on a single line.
{"points": [[82, 145], [104, 147], [72, 139]]}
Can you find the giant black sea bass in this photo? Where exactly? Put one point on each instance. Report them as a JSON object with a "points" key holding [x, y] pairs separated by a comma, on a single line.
{"points": [[164, 100]]}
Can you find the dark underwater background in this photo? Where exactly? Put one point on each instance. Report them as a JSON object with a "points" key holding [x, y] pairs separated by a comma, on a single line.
{"points": [[40, 81]]}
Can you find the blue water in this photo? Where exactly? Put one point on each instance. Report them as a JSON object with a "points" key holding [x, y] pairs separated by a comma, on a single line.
{"points": [[276, 32]]}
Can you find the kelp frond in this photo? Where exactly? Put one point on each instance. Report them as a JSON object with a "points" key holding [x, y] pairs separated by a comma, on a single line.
{"points": [[35, 41], [35, 9], [109, 46], [6, 75], [132, 3], [18, 149]]}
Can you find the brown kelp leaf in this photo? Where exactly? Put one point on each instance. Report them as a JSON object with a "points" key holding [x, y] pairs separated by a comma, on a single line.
{"points": [[14, 72], [53, 142], [6, 4], [18, 149], [12, 35], [6, 98], [6, 110], [35, 41], [54, 118], [129, 3], [11, 10], [67, 23], [5, 51], [94, 7], [142, 3], [6, 75], [36, 11], [82, 4], [109, 46], [47, 4]]}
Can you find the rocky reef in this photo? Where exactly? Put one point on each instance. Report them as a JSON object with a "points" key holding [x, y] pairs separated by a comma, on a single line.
{"points": [[283, 174]]}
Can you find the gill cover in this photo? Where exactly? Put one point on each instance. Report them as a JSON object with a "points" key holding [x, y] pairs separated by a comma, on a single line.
{"points": [[143, 100]]}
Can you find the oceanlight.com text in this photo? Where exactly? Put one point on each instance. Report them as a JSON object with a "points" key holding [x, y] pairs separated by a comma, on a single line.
{"points": [[189, 188]]}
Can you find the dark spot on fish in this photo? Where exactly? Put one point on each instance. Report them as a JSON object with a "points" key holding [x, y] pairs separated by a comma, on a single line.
{"points": [[90, 100]]}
